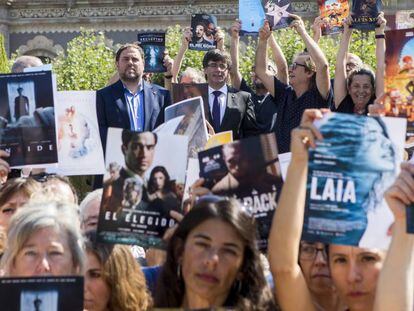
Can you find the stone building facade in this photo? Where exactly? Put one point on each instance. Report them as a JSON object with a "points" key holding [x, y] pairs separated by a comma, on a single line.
{"points": [[43, 28]]}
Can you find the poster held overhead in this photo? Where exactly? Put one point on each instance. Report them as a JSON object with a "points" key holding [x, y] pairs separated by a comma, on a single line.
{"points": [[153, 44]]}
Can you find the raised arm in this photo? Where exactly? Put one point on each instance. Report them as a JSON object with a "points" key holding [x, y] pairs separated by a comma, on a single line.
{"points": [[178, 60], [219, 37], [280, 60], [316, 28], [323, 82], [168, 64], [285, 234], [380, 55], [261, 59], [235, 74], [340, 88], [395, 285]]}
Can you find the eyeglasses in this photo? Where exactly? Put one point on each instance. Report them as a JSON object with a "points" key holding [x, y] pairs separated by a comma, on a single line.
{"points": [[215, 66], [310, 251], [294, 65]]}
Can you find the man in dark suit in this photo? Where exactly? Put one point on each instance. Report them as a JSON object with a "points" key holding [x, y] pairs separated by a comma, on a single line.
{"points": [[131, 103], [229, 109]]}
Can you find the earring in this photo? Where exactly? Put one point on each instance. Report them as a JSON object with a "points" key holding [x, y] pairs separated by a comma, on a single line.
{"points": [[237, 285], [179, 272]]}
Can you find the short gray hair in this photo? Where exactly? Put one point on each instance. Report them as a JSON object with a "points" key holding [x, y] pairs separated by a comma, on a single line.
{"points": [[196, 75], [90, 197], [25, 61], [39, 215]]}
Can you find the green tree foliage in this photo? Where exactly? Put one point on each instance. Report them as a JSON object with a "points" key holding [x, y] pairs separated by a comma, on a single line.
{"points": [[4, 63], [87, 65]]}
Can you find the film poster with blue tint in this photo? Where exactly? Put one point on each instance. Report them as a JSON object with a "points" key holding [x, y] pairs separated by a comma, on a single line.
{"points": [[252, 14], [334, 12], [204, 30], [153, 44], [144, 183], [247, 170], [42, 293], [349, 171], [399, 78], [27, 118], [364, 13]]}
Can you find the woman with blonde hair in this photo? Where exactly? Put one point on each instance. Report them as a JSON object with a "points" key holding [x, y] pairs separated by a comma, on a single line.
{"points": [[113, 280], [44, 238]]}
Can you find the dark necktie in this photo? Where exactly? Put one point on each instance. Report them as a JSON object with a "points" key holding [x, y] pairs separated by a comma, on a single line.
{"points": [[216, 111]]}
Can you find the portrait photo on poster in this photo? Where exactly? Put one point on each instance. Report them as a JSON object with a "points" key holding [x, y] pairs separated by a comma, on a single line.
{"points": [[27, 118], [144, 183], [247, 170]]}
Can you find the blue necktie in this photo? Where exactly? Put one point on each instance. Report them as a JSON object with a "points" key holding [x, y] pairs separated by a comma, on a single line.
{"points": [[216, 111]]}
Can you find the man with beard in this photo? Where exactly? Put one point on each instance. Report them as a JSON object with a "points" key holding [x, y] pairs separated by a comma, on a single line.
{"points": [[131, 103], [264, 106]]}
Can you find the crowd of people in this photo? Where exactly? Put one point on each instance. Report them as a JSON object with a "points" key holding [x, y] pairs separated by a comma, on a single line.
{"points": [[212, 258]]}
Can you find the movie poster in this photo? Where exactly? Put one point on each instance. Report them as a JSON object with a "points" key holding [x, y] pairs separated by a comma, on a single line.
{"points": [[153, 44], [64, 293], [145, 181], [79, 143], [204, 29], [27, 119], [252, 14], [333, 12], [349, 171], [246, 169], [364, 13], [404, 19], [192, 124], [399, 77]]}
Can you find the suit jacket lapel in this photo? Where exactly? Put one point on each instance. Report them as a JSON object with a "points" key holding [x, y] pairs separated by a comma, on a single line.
{"points": [[119, 97], [149, 100]]}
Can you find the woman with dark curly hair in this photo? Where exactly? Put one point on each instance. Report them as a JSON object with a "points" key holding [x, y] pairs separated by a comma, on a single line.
{"points": [[113, 280], [213, 261]]}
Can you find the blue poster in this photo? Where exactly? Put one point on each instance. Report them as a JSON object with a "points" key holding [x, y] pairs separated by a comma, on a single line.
{"points": [[252, 14], [349, 171]]}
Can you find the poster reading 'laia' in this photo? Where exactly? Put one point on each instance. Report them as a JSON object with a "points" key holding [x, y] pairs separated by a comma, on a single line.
{"points": [[349, 171]]}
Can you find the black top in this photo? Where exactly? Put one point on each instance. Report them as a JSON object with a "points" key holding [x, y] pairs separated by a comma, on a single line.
{"points": [[347, 105], [265, 108], [291, 109]]}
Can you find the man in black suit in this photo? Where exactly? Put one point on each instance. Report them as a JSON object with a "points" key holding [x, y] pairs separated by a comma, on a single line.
{"points": [[131, 103], [229, 109]]}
